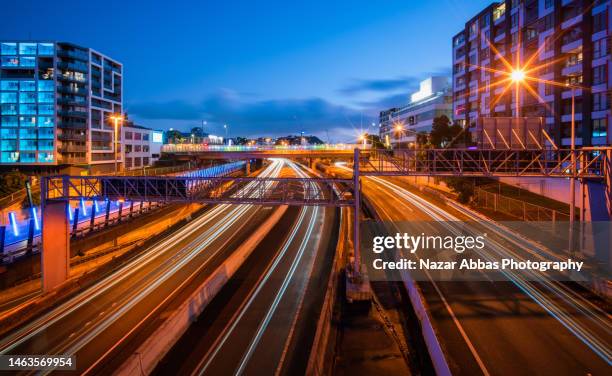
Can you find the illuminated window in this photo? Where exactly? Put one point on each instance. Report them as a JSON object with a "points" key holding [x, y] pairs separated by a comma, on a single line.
{"points": [[8, 48], [8, 98], [45, 109], [6, 133], [27, 133], [45, 49], [27, 144], [10, 61], [45, 85], [8, 109], [600, 127], [27, 157], [27, 48], [9, 85], [27, 121], [45, 98], [499, 11], [46, 134], [10, 157], [27, 109], [27, 86], [27, 97], [9, 121], [27, 62], [45, 157], [45, 121], [45, 144], [9, 145]]}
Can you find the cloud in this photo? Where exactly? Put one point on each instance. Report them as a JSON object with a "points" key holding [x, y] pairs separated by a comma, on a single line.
{"points": [[247, 117], [359, 86]]}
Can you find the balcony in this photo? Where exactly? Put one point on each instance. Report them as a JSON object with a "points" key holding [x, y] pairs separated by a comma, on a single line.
{"points": [[72, 124], [73, 160], [78, 114], [79, 55], [72, 149], [71, 90], [71, 137], [78, 67], [72, 101]]}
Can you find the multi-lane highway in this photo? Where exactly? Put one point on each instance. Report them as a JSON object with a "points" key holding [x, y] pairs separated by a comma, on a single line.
{"points": [[264, 320], [513, 326], [105, 322]]}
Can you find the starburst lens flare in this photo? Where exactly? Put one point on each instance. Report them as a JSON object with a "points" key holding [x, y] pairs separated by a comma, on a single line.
{"points": [[517, 75]]}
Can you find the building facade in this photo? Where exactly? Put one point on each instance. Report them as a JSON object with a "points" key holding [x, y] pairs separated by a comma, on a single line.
{"points": [[562, 41], [141, 146], [56, 101], [399, 125]]}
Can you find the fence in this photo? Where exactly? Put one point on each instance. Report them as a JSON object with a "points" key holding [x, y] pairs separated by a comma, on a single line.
{"points": [[516, 208]]}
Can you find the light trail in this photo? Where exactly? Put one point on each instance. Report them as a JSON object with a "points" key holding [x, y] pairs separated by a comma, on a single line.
{"points": [[219, 219], [209, 357], [587, 336]]}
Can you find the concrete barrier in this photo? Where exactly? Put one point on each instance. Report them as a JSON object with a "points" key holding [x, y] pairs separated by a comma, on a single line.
{"points": [[150, 352], [320, 361]]}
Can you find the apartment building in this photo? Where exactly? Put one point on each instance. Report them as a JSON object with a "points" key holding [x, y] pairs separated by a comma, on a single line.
{"points": [[56, 100], [141, 146], [399, 125], [562, 41]]}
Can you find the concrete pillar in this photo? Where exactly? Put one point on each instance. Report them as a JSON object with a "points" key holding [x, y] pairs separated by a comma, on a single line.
{"points": [[55, 261], [248, 167]]}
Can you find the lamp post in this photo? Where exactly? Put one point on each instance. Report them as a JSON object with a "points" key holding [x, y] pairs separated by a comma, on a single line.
{"points": [[116, 119], [226, 130]]}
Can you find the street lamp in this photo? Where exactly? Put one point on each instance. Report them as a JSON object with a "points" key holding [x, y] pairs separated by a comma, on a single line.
{"points": [[116, 119]]}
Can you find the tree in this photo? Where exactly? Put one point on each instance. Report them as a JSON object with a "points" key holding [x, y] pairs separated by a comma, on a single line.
{"points": [[440, 131]]}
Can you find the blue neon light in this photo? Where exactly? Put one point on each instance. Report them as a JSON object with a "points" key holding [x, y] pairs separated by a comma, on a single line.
{"points": [[35, 216], [13, 221]]}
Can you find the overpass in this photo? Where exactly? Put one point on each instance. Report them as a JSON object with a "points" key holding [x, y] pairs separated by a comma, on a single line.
{"points": [[217, 152]]}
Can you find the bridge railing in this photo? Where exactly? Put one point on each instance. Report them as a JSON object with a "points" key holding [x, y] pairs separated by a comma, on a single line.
{"points": [[195, 148], [264, 191], [580, 163]]}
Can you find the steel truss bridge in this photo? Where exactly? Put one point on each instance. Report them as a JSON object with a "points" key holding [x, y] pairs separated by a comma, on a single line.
{"points": [[213, 190], [563, 163]]}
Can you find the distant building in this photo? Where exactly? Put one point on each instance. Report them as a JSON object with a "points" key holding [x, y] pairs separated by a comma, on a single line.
{"points": [[567, 42], [141, 146], [56, 99], [433, 99]]}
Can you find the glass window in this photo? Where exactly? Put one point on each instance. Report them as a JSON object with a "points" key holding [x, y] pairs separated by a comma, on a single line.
{"points": [[8, 109], [10, 157], [27, 86], [27, 145], [27, 48], [45, 157], [600, 127], [10, 61], [45, 49], [27, 97], [8, 48], [9, 85], [27, 109], [27, 62], [45, 144], [9, 121], [27, 133], [27, 121], [46, 98], [45, 121], [46, 133], [46, 85], [27, 157], [45, 109], [8, 133], [9, 145], [8, 97]]}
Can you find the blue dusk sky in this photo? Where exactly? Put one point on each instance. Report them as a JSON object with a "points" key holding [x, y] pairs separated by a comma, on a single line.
{"points": [[263, 67]]}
